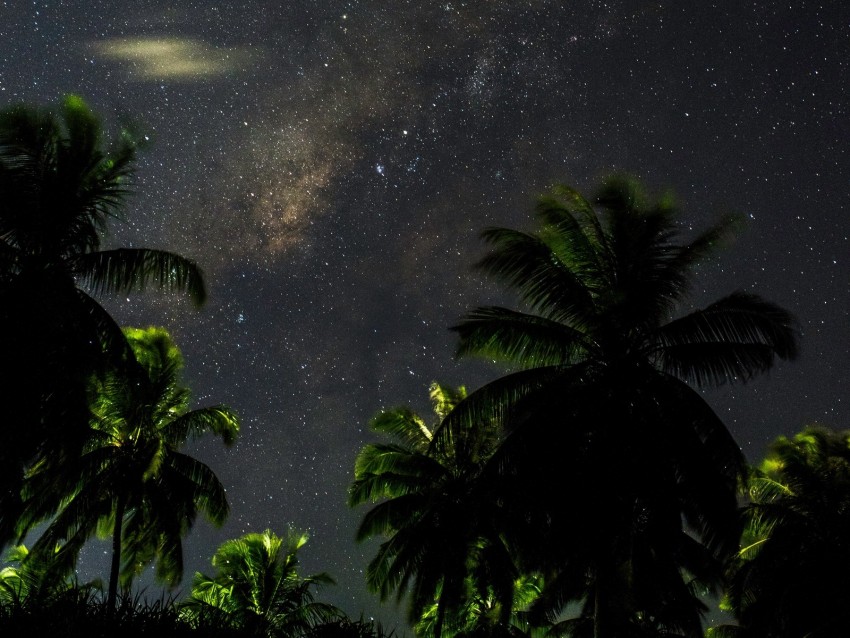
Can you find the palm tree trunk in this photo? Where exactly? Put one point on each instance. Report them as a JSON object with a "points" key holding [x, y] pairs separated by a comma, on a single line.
{"points": [[115, 567], [441, 613], [597, 629], [600, 606]]}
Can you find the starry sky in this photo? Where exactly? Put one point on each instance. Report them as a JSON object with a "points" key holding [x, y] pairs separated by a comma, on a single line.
{"points": [[331, 163]]}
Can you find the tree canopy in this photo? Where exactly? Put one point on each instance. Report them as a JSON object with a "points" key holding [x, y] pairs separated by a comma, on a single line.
{"points": [[623, 475], [257, 587], [60, 186], [133, 483]]}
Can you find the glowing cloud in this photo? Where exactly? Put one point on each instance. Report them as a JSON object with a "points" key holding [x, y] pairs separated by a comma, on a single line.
{"points": [[171, 58]]}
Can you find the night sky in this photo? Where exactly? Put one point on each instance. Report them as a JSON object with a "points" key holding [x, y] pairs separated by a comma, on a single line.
{"points": [[331, 164]]}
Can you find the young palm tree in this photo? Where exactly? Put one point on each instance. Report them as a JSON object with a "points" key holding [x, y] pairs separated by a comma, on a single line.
{"points": [[437, 514], [482, 615], [786, 579], [59, 188], [132, 482], [608, 448], [257, 588], [33, 581]]}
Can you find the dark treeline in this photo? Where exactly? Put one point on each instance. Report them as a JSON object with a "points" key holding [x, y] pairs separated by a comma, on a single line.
{"points": [[590, 492]]}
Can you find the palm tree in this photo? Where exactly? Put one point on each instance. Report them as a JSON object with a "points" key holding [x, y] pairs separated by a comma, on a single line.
{"points": [[438, 516], [608, 448], [59, 188], [482, 615], [257, 588], [33, 581], [785, 580], [132, 482]]}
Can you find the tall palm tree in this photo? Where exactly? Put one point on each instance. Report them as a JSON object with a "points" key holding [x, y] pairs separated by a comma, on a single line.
{"points": [[438, 516], [132, 482], [257, 587], [787, 579], [625, 477], [59, 189]]}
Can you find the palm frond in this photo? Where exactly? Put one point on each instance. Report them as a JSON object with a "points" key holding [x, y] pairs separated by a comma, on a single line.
{"points": [[523, 339], [492, 403], [525, 263], [209, 495], [707, 242], [444, 399], [125, 270], [385, 470], [405, 425], [738, 336], [576, 239], [387, 517], [217, 419]]}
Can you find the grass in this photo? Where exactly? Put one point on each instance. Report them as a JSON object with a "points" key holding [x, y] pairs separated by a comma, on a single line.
{"points": [[82, 613]]}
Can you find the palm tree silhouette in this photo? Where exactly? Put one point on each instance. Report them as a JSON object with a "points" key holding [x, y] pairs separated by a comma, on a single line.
{"points": [[132, 482], [785, 580], [59, 188], [439, 518], [622, 475], [257, 587]]}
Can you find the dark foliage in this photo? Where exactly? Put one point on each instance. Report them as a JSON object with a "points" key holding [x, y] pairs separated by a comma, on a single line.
{"points": [[80, 613], [790, 576], [59, 188], [619, 479]]}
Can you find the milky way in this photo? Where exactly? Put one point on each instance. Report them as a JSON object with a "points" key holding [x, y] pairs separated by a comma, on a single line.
{"points": [[330, 165]]}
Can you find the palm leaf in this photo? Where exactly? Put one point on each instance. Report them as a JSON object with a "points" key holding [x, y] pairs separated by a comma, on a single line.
{"points": [[525, 263], [218, 420], [126, 270], [388, 517], [738, 336], [403, 424], [527, 340]]}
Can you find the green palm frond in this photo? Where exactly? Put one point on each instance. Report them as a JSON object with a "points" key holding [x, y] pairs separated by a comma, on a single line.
{"points": [[444, 398], [575, 239], [565, 199], [206, 492], [525, 262], [386, 470], [427, 504], [403, 424], [218, 420], [61, 176], [62, 185], [526, 340]]}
